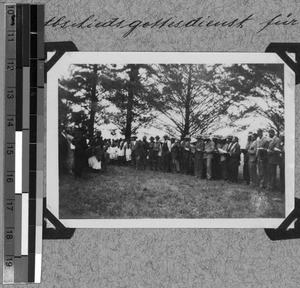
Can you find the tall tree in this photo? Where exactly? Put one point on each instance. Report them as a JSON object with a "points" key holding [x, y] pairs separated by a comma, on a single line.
{"points": [[188, 103], [82, 93], [259, 89], [197, 97], [132, 89]]}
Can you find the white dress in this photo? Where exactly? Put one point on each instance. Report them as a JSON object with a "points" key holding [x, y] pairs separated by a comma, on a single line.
{"points": [[127, 152], [94, 163], [113, 153]]}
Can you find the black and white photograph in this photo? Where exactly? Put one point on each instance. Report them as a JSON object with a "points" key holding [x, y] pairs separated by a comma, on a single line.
{"points": [[170, 139]]}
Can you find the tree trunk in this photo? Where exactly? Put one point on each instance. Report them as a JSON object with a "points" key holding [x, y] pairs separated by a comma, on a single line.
{"points": [[133, 78], [186, 129], [94, 101]]}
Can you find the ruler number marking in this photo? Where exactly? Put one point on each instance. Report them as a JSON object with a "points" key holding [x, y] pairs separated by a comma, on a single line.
{"points": [[10, 205]]}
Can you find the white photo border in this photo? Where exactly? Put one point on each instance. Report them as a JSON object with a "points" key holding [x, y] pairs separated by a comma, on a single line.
{"points": [[52, 178]]}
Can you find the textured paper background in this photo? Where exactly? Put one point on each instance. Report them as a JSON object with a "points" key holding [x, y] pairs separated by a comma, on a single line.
{"points": [[173, 257]]}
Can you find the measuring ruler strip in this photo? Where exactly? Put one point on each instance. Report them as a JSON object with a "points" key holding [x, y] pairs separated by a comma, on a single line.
{"points": [[25, 140], [40, 142], [9, 150], [33, 147], [18, 143], [19, 262]]}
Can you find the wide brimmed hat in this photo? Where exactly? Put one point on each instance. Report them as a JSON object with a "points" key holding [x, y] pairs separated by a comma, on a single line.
{"points": [[229, 136], [157, 137], [134, 136], [216, 137]]}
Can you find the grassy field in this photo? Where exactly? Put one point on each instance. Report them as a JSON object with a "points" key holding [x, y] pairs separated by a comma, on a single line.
{"points": [[126, 193]]}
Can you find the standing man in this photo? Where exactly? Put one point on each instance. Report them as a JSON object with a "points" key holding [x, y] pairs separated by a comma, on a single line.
{"points": [[273, 159], [133, 147], [181, 155], [262, 158], [186, 149], [252, 160], [234, 151], [144, 152], [199, 151], [97, 140], [156, 150], [246, 175], [80, 158], [222, 149], [216, 174], [175, 156], [209, 148], [165, 155], [191, 169], [151, 153]]}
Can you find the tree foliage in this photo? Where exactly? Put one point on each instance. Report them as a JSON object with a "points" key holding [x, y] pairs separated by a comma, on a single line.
{"points": [[133, 90], [259, 90], [80, 97], [181, 99], [197, 97]]}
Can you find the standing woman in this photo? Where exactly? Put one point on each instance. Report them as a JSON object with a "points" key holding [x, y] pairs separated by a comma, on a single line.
{"points": [[121, 152], [127, 149], [80, 158]]}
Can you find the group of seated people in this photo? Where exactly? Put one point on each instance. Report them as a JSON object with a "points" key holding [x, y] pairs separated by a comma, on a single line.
{"points": [[210, 157]]}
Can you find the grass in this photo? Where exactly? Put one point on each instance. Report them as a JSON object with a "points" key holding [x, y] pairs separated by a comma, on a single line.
{"points": [[124, 193]]}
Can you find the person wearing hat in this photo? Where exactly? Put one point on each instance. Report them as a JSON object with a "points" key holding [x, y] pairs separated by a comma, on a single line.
{"points": [[199, 151], [234, 151], [222, 150], [175, 156], [157, 153], [216, 171], [209, 148], [192, 156], [273, 158], [246, 175], [144, 152], [165, 155], [133, 147], [252, 152], [151, 153], [262, 158], [138, 155], [185, 155]]}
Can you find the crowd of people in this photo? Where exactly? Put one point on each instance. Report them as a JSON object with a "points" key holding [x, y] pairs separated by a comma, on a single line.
{"points": [[210, 157]]}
